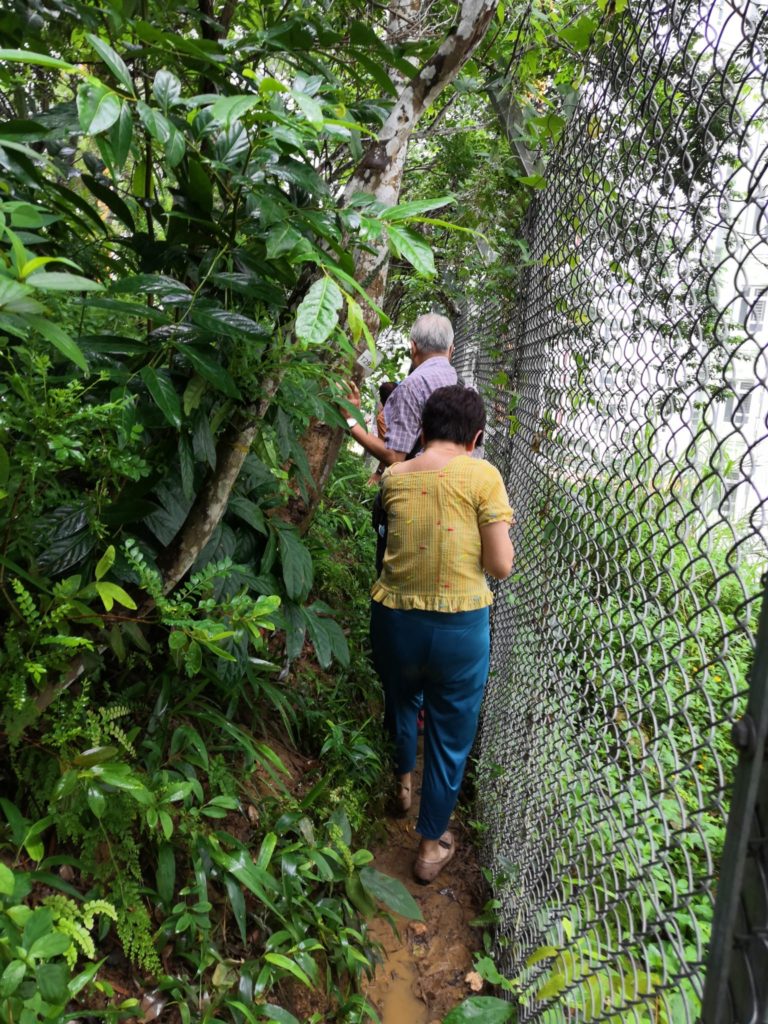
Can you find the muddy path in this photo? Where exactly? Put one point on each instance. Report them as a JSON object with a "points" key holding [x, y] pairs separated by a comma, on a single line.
{"points": [[424, 973]]}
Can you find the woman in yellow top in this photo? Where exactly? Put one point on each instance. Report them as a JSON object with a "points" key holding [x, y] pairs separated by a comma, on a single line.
{"points": [[449, 519]]}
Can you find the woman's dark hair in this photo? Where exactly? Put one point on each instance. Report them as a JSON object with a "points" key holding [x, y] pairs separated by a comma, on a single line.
{"points": [[453, 414], [385, 390]]}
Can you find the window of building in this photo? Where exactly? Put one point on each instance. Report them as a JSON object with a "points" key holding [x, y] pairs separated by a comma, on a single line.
{"points": [[736, 411], [754, 307]]}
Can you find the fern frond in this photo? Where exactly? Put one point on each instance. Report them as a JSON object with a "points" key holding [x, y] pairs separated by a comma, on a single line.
{"points": [[26, 604]]}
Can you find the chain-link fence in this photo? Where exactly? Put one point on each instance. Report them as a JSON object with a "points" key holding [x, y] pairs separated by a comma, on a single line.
{"points": [[627, 388]]}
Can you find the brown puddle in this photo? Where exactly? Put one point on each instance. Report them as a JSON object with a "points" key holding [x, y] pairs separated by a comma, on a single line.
{"points": [[424, 974]]}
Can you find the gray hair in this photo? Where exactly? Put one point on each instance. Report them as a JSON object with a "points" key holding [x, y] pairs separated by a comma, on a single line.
{"points": [[432, 333]]}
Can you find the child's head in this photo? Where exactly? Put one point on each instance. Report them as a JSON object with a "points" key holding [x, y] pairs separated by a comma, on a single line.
{"points": [[385, 390]]}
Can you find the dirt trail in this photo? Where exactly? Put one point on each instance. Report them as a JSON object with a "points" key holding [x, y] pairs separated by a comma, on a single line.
{"points": [[424, 971]]}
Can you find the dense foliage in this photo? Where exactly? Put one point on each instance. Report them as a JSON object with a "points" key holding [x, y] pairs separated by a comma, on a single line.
{"points": [[189, 753], [185, 780]]}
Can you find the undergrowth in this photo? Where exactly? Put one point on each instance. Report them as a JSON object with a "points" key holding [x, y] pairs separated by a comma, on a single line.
{"points": [[200, 830]]}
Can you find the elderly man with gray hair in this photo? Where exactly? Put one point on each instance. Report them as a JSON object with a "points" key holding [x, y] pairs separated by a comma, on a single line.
{"points": [[431, 351]]}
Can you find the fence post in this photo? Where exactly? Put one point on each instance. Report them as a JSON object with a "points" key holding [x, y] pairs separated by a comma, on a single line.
{"points": [[736, 985]]}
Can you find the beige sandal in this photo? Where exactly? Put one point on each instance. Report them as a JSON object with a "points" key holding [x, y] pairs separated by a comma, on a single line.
{"points": [[425, 871]]}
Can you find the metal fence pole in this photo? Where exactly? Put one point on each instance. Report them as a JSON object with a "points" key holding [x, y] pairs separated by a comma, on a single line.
{"points": [[737, 970]]}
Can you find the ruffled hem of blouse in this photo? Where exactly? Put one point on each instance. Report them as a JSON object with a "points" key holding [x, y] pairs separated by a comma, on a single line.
{"points": [[430, 603]]}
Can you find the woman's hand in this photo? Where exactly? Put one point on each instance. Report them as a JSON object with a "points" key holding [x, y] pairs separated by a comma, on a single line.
{"points": [[498, 553]]}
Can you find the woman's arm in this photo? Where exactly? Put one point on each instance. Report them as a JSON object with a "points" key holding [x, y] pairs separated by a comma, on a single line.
{"points": [[498, 554]]}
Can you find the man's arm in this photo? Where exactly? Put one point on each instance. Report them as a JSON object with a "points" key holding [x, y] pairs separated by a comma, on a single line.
{"points": [[376, 446]]}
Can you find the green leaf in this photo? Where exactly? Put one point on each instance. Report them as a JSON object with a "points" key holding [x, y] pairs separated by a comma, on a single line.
{"points": [[326, 634], [278, 960], [486, 1009], [318, 313], [277, 1013], [231, 108], [111, 199], [121, 135], [534, 180], [52, 944], [297, 564], [354, 318], [59, 339], [282, 239], [166, 89], [7, 880], [249, 512], [57, 281], [97, 108], [157, 124], [413, 248], [414, 208], [267, 849], [358, 895], [111, 592], [11, 978], [96, 801], [17, 298], [114, 62], [43, 60], [105, 563], [175, 147], [310, 108], [542, 953], [166, 872], [208, 366], [193, 659], [52, 981], [391, 893], [160, 386], [579, 35], [95, 755]]}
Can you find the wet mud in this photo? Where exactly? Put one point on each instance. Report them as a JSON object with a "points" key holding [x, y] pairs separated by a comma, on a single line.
{"points": [[425, 968]]}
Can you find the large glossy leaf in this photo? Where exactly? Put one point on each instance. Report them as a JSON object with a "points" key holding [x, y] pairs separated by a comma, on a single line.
{"points": [[282, 239], [484, 1009], [318, 314], [414, 208], [156, 123], [42, 60], [121, 135], [249, 512], [208, 366], [114, 62], [57, 281], [391, 893], [413, 248], [97, 108], [163, 392], [16, 297], [166, 89], [231, 108]]}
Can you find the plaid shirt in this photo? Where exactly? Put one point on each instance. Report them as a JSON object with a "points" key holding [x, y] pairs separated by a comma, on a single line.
{"points": [[404, 407]]}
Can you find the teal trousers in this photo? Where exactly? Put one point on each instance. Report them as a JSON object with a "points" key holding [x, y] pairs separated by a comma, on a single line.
{"points": [[445, 655]]}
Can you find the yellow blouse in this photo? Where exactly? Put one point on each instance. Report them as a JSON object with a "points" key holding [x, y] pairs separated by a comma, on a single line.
{"points": [[433, 552]]}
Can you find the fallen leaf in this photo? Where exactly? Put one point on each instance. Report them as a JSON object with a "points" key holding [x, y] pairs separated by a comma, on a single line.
{"points": [[475, 981]]}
